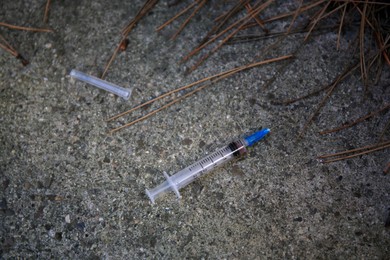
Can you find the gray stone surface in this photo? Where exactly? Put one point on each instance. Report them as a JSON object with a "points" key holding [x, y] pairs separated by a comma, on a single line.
{"points": [[70, 190]]}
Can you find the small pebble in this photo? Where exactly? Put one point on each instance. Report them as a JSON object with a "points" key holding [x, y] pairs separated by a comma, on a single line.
{"points": [[67, 219], [51, 233]]}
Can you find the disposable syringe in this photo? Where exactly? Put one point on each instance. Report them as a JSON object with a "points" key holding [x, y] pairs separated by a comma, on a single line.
{"points": [[184, 177]]}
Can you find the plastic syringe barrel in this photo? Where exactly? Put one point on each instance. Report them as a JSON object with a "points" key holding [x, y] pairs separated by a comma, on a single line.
{"points": [[186, 176]]}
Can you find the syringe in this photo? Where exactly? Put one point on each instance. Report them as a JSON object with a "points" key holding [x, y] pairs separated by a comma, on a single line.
{"points": [[184, 177]]}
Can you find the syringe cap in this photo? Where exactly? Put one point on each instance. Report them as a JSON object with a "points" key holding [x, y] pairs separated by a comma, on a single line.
{"points": [[254, 138]]}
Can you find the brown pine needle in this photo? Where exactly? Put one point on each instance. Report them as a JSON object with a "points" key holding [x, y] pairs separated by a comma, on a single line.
{"points": [[229, 72], [296, 13], [381, 42], [361, 119], [387, 126], [361, 45], [340, 27], [47, 8], [176, 16], [184, 24], [22, 28], [318, 18], [204, 44], [112, 58], [149, 4], [211, 40], [368, 147], [225, 17], [236, 8], [315, 92], [257, 19], [387, 168], [254, 12], [257, 37], [8, 48], [330, 91], [333, 11], [169, 93], [159, 109], [364, 16], [288, 14], [362, 2], [212, 79], [356, 152]]}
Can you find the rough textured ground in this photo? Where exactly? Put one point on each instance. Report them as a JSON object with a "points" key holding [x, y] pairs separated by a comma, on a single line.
{"points": [[69, 190]]}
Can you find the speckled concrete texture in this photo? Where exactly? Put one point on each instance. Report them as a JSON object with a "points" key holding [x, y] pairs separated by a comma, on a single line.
{"points": [[69, 190]]}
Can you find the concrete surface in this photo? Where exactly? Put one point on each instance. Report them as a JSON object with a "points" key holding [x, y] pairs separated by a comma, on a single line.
{"points": [[69, 190]]}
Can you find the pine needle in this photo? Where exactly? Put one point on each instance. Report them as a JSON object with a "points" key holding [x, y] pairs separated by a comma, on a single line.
{"points": [[354, 152], [361, 119], [325, 99], [8, 48], [184, 24], [47, 8], [176, 16], [22, 28], [211, 80], [149, 4]]}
